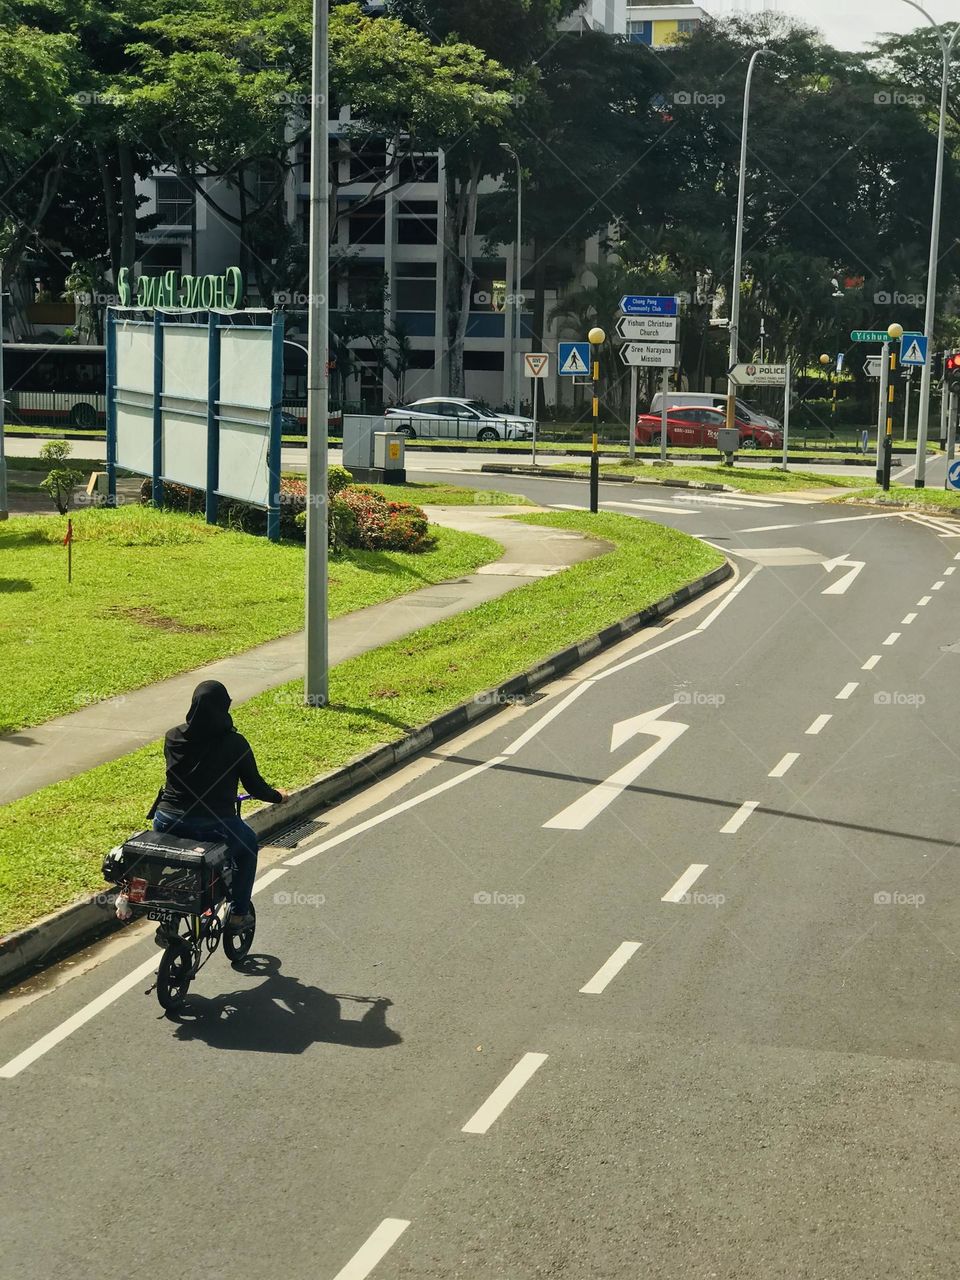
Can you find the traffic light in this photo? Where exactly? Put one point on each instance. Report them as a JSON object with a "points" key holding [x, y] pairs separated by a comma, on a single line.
{"points": [[951, 369]]}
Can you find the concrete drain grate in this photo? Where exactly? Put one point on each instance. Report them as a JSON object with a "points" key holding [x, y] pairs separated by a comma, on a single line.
{"points": [[296, 835]]}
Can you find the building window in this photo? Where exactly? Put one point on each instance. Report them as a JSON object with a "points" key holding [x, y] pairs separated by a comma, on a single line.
{"points": [[368, 161], [419, 169], [368, 224], [415, 286], [483, 360], [174, 202], [158, 258], [417, 222], [365, 283], [687, 26], [640, 32]]}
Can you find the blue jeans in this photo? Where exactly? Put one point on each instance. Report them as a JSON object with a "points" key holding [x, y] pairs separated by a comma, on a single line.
{"points": [[239, 838]]}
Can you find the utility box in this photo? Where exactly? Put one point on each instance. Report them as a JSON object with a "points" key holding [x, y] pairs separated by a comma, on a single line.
{"points": [[388, 454], [370, 454], [358, 430], [728, 442]]}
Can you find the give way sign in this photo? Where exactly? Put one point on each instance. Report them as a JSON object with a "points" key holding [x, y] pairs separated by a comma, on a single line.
{"points": [[536, 364]]}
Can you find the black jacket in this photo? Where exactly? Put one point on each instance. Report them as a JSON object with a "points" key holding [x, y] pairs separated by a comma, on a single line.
{"points": [[208, 761]]}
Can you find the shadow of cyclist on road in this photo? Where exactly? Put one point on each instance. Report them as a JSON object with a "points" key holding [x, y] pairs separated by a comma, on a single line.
{"points": [[282, 1015]]}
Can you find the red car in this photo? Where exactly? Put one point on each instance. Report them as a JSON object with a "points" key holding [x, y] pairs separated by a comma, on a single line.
{"points": [[698, 426]]}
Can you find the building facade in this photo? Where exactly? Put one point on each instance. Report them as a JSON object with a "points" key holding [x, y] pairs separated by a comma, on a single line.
{"points": [[659, 26]]}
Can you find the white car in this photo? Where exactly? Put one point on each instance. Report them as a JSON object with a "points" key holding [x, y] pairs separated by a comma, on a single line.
{"points": [[449, 418]]}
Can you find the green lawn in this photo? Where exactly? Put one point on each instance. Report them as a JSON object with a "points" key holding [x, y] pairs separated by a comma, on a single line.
{"points": [[155, 592], [748, 479], [52, 842], [451, 495], [941, 500]]}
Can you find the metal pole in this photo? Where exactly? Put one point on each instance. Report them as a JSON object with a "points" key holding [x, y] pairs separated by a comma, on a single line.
{"points": [[786, 413], [954, 398], [594, 455], [632, 446], [518, 293], [536, 405], [664, 395], [906, 410], [738, 248], [882, 411], [4, 511], [944, 414], [946, 48], [315, 676], [891, 404]]}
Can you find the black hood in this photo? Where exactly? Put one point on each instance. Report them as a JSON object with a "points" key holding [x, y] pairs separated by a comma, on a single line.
{"points": [[209, 714]]}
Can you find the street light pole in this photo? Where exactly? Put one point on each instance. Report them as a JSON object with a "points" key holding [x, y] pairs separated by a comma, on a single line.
{"points": [[316, 666], [946, 48], [4, 511], [516, 313], [734, 353]]}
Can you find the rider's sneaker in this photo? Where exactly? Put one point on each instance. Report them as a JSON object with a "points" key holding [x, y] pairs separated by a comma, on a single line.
{"points": [[238, 923]]}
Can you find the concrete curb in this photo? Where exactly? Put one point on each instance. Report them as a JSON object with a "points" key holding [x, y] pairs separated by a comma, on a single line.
{"points": [[27, 951], [548, 473]]}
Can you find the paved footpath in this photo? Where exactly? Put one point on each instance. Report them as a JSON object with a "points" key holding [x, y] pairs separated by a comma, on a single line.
{"points": [[36, 757]]}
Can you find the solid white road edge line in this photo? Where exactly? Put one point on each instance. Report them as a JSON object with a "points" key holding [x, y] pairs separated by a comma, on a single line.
{"points": [[370, 1253], [846, 691], [818, 724], [786, 763], [504, 1093], [679, 890], [366, 825], [607, 972], [871, 662], [733, 825]]}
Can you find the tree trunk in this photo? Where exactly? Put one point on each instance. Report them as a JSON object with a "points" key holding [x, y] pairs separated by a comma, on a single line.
{"points": [[109, 209], [128, 208], [460, 238]]}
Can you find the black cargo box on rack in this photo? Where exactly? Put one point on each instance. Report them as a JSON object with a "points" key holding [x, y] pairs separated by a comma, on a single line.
{"points": [[172, 872]]}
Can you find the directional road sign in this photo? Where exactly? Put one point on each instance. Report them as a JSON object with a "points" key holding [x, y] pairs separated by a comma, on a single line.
{"points": [[573, 359], [870, 335], [873, 366], [759, 375], [649, 355], [913, 350], [953, 475], [648, 328], [536, 364], [636, 304]]}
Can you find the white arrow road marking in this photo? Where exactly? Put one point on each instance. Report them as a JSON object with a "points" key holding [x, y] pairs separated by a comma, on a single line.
{"points": [[583, 811], [607, 972], [369, 1254], [504, 1093], [840, 587]]}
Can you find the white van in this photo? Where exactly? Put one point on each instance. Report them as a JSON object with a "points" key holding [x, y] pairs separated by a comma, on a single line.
{"points": [[715, 400]]}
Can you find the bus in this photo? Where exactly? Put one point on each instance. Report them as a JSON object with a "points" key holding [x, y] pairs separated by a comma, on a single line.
{"points": [[65, 384]]}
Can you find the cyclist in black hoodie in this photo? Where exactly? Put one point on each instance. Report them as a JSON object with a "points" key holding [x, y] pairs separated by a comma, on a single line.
{"points": [[207, 762]]}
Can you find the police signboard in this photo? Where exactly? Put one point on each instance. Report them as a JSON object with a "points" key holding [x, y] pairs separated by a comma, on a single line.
{"points": [[759, 375], [573, 359], [636, 304], [913, 350]]}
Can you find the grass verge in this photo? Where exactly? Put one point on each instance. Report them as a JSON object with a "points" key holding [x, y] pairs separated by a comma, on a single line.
{"points": [[156, 592], [52, 842], [939, 501], [748, 479]]}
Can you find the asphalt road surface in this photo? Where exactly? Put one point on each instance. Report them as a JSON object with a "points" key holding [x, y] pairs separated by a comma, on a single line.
{"points": [[653, 977]]}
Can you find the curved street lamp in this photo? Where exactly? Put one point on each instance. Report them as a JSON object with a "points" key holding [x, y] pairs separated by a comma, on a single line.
{"points": [[946, 48], [516, 306]]}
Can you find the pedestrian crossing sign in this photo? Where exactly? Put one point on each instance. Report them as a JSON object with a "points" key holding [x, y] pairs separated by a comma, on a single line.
{"points": [[574, 359], [913, 349]]}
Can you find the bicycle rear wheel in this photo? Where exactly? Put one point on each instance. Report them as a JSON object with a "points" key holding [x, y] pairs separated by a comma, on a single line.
{"points": [[236, 945], [174, 975]]}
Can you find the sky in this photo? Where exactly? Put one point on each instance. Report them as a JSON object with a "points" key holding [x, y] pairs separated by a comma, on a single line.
{"points": [[848, 24]]}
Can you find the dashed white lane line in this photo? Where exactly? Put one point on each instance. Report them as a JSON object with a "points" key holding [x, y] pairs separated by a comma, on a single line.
{"points": [[820, 723], [871, 662], [607, 972], [924, 600], [905, 622], [679, 890], [787, 763], [846, 691], [893, 637], [504, 1093], [373, 1250], [951, 570], [657, 507], [937, 585], [734, 824], [768, 528]]}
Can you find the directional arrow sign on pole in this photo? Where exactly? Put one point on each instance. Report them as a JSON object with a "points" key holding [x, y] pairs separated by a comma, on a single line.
{"points": [[872, 366], [650, 355], [635, 304], [759, 375], [839, 588], [583, 811], [648, 328]]}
